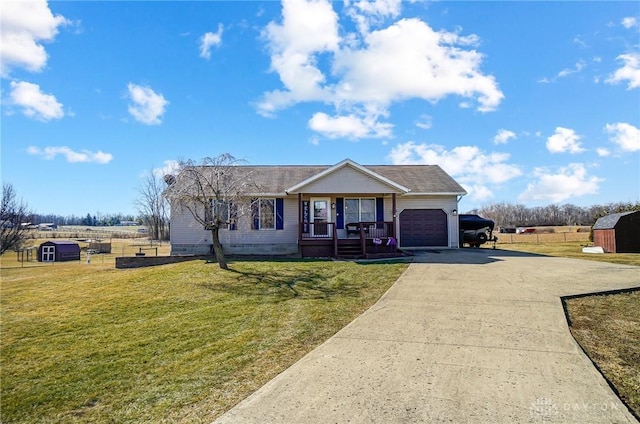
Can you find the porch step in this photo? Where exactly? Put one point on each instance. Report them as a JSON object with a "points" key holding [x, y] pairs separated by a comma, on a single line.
{"points": [[349, 250]]}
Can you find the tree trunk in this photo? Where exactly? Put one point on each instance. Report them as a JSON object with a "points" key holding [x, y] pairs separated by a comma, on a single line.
{"points": [[217, 248]]}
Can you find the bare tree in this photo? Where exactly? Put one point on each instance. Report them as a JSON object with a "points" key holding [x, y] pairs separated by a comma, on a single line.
{"points": [[13, 214], [153, 206], [215, 191]]}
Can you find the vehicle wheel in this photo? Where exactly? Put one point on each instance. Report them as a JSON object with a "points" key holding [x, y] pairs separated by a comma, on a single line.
{"points": [[482, 238]]}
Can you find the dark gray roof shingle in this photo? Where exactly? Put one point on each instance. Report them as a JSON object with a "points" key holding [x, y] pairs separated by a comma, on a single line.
{"points": [[418, 178], [609, 222]]}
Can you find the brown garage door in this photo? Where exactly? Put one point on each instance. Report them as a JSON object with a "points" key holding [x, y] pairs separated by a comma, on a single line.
{"points": [[423, 227]]}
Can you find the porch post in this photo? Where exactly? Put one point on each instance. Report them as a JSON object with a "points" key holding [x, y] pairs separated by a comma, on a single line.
{"points": [[394, 211]]}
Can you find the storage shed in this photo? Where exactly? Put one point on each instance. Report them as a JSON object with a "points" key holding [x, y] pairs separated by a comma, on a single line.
{"points": [[618, 232], [58, 251]]}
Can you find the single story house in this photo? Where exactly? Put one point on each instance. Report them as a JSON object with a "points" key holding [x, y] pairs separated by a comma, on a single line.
{"points": [[344, 210], [618, 232], [58, 251]]}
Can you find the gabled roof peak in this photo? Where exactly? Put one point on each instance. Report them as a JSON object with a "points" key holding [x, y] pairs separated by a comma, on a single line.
{"points": [[342, 164]]}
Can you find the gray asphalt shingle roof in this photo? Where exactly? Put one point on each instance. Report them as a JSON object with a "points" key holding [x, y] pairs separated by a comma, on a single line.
{"points": [[609, 222], [418, 178]]}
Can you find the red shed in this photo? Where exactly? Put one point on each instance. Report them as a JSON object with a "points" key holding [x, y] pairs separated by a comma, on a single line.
{"points": [[58, 251], [618, 232]]}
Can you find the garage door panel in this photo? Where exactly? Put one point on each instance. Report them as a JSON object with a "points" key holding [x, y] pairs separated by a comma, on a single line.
{"points": [[423, 228]]}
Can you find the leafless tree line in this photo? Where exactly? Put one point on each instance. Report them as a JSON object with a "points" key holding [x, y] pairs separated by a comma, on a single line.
{"points": [[153, 206], [510, 215]]}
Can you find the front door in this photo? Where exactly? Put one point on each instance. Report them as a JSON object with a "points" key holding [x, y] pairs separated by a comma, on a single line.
{"points": [[321, 210]]}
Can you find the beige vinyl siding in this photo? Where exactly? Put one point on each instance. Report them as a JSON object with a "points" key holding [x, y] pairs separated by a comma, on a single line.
{"points": [[184, 229], [347, 180], [189, 237]]}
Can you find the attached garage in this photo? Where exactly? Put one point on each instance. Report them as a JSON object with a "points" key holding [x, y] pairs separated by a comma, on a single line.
{"points": [[423, 228]]}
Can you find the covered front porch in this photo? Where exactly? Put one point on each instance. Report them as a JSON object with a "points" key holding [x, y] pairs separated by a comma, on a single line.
{"points": [[363, 240], [331, 226]]}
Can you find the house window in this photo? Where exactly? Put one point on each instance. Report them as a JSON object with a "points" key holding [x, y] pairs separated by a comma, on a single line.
{"points": [[223, 210], [359, 210], [264, 214]]}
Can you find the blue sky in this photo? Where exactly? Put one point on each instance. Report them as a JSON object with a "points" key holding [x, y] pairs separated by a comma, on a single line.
{"points": [[521, 102]]}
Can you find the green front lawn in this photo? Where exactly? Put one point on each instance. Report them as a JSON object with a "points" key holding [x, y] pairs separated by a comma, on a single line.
{"points": [[175, 343]]}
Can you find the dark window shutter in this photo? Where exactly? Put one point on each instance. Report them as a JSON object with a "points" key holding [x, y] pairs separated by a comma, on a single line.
{"points": [[279, 214], [255, 214], [233, 216], [379, 209], [340, 213]]}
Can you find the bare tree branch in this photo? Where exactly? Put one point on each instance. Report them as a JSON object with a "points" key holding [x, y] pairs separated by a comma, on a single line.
{"points": [[153, 206], [214, 191], [13, 214]]}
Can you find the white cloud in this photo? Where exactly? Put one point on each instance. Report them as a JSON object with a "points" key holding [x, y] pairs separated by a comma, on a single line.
{"points": [[34, 102], [349, 126], [564, 140], [308, 27], [411, 60], [629, 72], [366, 13], [23, 26], [71, 156], [169, 167], [148, 106], [208, 40], [602, 152], [473, 168], [629, 22], [567, 182], [579, 41], [424, 122], [624, 135], [503, 136], [370, 70], [579, 66]]}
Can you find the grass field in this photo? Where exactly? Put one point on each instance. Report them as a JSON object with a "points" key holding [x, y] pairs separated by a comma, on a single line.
{"points": [[84, 342], [608, 329], [558, 236], [176, 343], [571, 250]]}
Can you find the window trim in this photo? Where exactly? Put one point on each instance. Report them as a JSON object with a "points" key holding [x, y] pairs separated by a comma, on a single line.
{"points": [[227, 223], [257, 213], [360, 199]]}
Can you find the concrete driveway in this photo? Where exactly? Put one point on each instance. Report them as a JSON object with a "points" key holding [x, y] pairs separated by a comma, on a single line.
{"points": [[464, 336]]}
